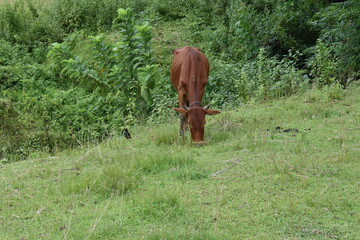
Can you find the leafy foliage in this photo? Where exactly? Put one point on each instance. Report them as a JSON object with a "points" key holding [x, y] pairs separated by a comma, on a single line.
{"points": [[124, 69], [324, 66], [95, 94], [340, 32], [34, 22], [268, 78], [238, 29]]}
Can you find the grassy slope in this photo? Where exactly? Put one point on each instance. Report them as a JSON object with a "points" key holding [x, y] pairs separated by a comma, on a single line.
{"points": [[290, 185]]}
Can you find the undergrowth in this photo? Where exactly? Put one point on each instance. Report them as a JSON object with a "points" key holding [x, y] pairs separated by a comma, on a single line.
{"points": [[78, 72]]}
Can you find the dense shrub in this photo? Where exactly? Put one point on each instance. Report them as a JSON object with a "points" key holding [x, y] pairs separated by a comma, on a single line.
{"points": [[220, 90], [27, 23], [81, 97], [268, 78], [124, 69], [11, 134], [33, 22], [170, 10], [14, 64], [263, 78], [238, 29], [340, 39], [323, 65]]}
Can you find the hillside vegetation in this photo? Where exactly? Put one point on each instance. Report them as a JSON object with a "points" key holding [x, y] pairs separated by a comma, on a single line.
{"points": [[76, 72], [284, 169]]}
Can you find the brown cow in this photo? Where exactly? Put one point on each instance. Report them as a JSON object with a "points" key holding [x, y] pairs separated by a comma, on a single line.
{"points": [[189, 75]]}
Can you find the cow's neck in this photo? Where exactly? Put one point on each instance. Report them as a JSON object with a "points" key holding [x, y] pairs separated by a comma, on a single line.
{"points": [[195, 96]]}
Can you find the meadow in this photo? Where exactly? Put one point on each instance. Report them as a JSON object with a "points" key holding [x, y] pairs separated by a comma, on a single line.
{"points": [[277, 169]]}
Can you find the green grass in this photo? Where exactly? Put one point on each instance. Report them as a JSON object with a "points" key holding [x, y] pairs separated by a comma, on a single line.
{"points": [[286, 185]]}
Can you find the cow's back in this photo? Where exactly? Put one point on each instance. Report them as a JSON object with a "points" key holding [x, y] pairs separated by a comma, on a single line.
{"points": [[190, 69]]}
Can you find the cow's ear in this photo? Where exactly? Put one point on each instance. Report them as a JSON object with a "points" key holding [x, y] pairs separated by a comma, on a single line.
{"points": [[212, 112], [176, 51], [181, 110]]}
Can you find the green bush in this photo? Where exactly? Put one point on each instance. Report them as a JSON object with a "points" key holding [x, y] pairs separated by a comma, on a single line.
{"points": [[169, 10], [124, 69], [323, 65], [340, 35], [264, 78], [79, 97], [17, 70], [11, 133], [237, 29], [220, 90], [34, 22], [14, 65], [267, 78], [27, 23]]}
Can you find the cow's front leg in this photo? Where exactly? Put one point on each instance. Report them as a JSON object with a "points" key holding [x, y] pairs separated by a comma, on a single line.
{"points": [[183, 123], [183, 101]]}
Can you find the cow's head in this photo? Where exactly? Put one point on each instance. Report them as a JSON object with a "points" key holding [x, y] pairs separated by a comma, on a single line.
{"points": [[196, 120]]}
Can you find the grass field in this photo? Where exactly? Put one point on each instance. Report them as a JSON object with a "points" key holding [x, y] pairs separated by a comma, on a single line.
{"points": [[291, 171]]}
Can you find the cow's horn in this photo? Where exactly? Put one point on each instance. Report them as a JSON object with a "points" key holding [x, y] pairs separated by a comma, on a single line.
{"points": [[207, 107]]}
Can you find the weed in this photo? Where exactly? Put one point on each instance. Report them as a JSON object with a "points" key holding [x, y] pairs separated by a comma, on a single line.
{"points": [[168, 137], [153, 163], [120, 179], [189, 174]]}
